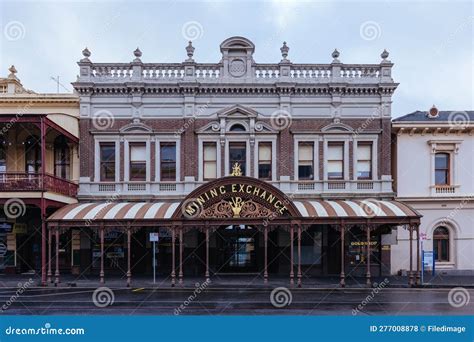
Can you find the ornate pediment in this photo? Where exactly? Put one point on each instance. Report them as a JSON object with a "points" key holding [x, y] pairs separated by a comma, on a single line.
{"points": [[136, 127], [237, 111], [337, 127]]}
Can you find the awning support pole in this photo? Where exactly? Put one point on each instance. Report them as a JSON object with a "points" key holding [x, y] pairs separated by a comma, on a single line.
{"points": [[129, 271], [181, 256], [101, 275], [265, 268], [417, 227], [50, 257], [368, 276], [173, 257], [410, 274], [56, 273], [207, 253], [343, 275], [292, 273], [299, 255]]}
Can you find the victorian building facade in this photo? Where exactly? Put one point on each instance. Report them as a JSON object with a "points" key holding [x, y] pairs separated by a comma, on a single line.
{"points": [[39, 172], [241, 167], [439, 185]]}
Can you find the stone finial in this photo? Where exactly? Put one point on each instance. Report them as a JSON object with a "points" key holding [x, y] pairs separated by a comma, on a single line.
{"points": [[433, 112], [86, 53], [13, 71], [137, 53], [190, 51], [335, 55], [284, 51], [384, 55]]}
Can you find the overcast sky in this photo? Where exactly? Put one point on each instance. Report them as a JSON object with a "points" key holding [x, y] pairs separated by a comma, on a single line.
{"points": [[430, 42]]}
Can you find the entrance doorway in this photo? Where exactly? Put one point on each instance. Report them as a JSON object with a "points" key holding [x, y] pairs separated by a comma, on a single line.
{"points": [[238, 246]]}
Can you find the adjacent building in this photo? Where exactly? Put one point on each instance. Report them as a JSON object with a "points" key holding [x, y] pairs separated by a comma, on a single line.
{"points": [[434, 167], [240, 167], [39, 172]]}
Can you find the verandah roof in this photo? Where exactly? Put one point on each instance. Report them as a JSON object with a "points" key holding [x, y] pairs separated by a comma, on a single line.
{"points": [[363, 209]]}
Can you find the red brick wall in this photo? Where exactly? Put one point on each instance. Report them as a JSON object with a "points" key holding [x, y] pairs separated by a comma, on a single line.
{"points": [[285, 148]]}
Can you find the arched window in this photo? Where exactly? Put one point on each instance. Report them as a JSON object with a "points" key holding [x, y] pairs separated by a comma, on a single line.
{"points": [[442, 174], [441, 243], [237, 128], [32, 154], [62, 157]]}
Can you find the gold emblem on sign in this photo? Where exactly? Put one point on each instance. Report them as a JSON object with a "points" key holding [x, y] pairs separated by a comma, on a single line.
{"points": [[236, 171], [236, 204]]}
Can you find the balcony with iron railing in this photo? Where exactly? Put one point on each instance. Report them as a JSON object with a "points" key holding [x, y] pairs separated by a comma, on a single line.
{"points": [[31, 182]]}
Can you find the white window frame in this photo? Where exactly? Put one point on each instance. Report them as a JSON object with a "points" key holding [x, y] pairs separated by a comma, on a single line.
{"points": [[164, 139], [263, 139], [336, 139], [126, 157], [296, 143], [373, 139], [201, 141], [450, 147], [106, 139], [229, 140]]}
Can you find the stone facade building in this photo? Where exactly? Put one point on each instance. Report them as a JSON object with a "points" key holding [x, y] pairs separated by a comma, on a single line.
{"points": [[242, 167]]}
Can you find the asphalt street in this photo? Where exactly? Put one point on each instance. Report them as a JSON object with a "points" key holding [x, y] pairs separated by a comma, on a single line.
{"points": [[234, 301]]}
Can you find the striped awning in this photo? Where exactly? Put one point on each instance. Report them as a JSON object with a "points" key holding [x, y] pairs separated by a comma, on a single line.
{"points": [[115, 211], [354, 209]]}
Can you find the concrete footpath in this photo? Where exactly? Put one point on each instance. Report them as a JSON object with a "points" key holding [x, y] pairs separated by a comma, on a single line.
{"points": [[234, 281]]}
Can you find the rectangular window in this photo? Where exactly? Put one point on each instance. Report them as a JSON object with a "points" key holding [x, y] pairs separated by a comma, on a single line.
{"points": [[335, 160], [442, 169], [364, 160], [107, 162], [238, 154], [209, 160], [306, 161], [265, 160], [138, 159], [168, 161]]}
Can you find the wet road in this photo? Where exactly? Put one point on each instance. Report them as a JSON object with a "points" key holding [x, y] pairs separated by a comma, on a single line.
{"points": [[121, 301]]}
